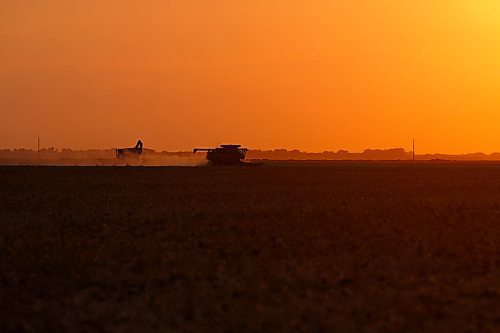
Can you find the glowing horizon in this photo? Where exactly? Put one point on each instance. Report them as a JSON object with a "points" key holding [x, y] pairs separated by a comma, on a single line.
{"points": [[307, 75]]}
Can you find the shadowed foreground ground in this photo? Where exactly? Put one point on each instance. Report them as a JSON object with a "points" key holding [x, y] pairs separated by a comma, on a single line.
{"points": [[344, 247]]}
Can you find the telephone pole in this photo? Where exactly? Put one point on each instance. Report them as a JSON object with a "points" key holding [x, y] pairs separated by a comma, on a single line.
{"points": [[413, 149]]}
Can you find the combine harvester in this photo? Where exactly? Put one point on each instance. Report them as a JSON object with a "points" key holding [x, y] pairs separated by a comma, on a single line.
{"points": [[226, 155]]}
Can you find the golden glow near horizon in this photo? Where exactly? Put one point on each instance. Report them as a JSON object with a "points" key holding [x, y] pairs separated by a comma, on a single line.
{"points": [[313, 75]]}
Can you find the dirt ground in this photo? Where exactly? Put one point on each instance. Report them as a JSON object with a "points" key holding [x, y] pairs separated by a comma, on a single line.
{"points": [[318, 246]]}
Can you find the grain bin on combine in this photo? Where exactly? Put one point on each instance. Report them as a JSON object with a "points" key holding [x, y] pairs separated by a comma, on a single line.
{"points": [[225, 155]]}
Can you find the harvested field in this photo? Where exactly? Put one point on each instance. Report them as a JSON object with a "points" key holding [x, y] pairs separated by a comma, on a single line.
{"points": [[309, 246]]}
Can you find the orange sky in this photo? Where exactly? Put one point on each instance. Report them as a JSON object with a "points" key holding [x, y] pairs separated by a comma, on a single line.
{"points": [[313, 74]]}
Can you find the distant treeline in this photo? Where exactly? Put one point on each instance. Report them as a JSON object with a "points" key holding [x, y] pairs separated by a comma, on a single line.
{"points": [[393, 154], [52, 153], [52, 156], [107, 156]]}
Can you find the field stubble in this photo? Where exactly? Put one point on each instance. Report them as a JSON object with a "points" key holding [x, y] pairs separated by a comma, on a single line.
{"points": [[344, 247]]}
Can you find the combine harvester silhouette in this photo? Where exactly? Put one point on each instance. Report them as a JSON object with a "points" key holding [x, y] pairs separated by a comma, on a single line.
{"points": [[229, 155]]}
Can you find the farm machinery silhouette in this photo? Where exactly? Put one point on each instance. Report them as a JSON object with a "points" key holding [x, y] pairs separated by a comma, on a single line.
{"points": [[226, 155], [229, 155], [130, 152]]}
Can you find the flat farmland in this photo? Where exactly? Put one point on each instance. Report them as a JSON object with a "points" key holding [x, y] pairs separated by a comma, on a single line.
{"points": [[289, 246]]}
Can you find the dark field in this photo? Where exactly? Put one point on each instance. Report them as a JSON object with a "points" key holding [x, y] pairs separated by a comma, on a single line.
{"points": [[339, 247]]}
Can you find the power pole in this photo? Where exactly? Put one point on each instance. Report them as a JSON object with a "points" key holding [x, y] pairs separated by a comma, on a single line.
{"points": [[413, 149], [38, 151]]}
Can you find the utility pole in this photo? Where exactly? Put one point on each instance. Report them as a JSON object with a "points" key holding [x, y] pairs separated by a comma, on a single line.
{"points": [[413, 149], [38, 151]]}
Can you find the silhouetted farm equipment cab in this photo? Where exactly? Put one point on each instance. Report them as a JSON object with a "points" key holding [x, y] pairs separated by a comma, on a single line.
{"points": [[225, 155], [130, 152]]}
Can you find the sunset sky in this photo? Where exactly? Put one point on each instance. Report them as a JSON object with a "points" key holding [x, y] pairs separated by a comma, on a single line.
{"points": [[312, 75]]}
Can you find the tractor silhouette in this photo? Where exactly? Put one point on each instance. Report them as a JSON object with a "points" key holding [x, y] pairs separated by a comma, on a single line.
{"points": [[136, 151]]}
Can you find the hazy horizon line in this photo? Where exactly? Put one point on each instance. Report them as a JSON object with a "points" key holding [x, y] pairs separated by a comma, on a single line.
{"points": [[417, 153]]}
